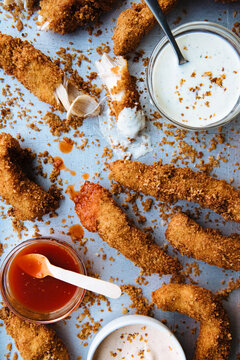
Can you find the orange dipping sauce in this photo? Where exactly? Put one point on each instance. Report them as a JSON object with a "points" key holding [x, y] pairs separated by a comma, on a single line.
{"points": [[47, 294]]}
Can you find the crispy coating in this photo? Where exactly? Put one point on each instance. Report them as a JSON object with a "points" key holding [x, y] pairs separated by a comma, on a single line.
{"points": [[29, 200], [27, 4], [201, 304], [134, 23], [208, 245], [98, 212], [65, 16], [34, 341], [169, 184], [125, 83], [31, 67]]}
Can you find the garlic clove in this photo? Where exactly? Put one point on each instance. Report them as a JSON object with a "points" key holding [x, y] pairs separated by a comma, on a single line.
{"points": [[83, 106], [75, 101]]}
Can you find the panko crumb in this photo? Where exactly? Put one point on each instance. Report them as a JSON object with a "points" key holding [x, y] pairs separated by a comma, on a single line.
{"points": [[139, 302]]}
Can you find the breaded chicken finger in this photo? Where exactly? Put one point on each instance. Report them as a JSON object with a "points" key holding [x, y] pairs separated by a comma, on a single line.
{"points": [[42, 77], [169, 184], [34, 341], [124, 96], [64, 16], [29, 200], [201, 304], [134, 23], [208, 245], [98, 212]]}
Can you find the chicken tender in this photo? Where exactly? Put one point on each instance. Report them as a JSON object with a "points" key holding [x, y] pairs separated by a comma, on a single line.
{"points": [[125, 104], [29, 200], [201, 304], [208, 245], [98, 212], [34, 341], [43, 78], [169, 184], [31, 67], [64, 16], [134, 23]]}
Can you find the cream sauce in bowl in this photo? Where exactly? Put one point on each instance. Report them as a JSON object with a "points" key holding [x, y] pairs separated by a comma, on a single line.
{"points": [[135, 337], [206, 89], [138, 341]]}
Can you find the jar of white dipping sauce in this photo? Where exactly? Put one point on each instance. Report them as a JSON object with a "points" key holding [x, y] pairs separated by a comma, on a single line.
{"points": [[205, 92], [135, 337]]}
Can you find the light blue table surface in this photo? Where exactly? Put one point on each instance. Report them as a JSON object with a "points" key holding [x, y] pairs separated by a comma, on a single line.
{"points": [[85, 161]]}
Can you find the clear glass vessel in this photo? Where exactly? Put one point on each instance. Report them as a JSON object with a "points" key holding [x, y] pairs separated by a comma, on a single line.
{"points": [[22, 311], [199, 26]]}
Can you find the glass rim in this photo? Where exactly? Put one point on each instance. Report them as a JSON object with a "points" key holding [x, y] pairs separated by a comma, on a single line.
{"points": [[205, 26], [56, 315]]}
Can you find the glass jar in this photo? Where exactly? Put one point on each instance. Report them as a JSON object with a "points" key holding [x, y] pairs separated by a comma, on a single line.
{"points": [[200, 26], [21, 309]]}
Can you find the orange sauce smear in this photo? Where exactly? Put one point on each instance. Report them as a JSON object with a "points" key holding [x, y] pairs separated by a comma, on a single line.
{"points": [[72, 193], [85, 176], [66, 145], [47, 294], [59, 164], [76, 232]]}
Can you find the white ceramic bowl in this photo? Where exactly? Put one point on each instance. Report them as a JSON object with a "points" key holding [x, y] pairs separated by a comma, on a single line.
{"points": [[132, 320]]}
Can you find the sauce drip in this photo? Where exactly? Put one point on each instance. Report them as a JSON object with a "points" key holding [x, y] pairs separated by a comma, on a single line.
{"points": [[85, 176], [76, 232], [47, 294], [71, 192], [59, 164], [66, 145]]}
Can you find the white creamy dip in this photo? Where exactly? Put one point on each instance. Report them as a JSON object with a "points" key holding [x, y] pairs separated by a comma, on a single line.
{"points": [[131, 121], [203, 91], [138, 342]]}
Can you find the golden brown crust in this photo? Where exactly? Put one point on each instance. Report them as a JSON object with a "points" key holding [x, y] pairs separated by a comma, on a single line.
{"points": [[31, 67], [65, 16], [208, 245], [169, 184], [131, 97], [98, 212], [29, 200], [201, 304], [133, 24], [34, 341]]}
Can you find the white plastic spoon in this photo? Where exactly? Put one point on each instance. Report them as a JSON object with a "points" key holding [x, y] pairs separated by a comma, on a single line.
{"points": [[38, 266]]}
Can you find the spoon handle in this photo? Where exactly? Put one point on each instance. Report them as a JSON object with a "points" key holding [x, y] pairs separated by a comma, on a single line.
{"points": [[86, 282], [161, 19]]}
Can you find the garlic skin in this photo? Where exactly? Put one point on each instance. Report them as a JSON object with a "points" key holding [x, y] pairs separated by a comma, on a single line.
{"points": [[130, 120], [76, 102]]}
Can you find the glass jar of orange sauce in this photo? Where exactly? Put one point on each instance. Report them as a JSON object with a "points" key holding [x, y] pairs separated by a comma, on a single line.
{"points": [[44, 300]]}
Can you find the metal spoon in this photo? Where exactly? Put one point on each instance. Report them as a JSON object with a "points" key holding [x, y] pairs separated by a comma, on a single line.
{"points": [[38, 266], [157, 12]]}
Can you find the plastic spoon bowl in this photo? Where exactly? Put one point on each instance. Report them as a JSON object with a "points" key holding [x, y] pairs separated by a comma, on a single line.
{"points": [[38, 266]]}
